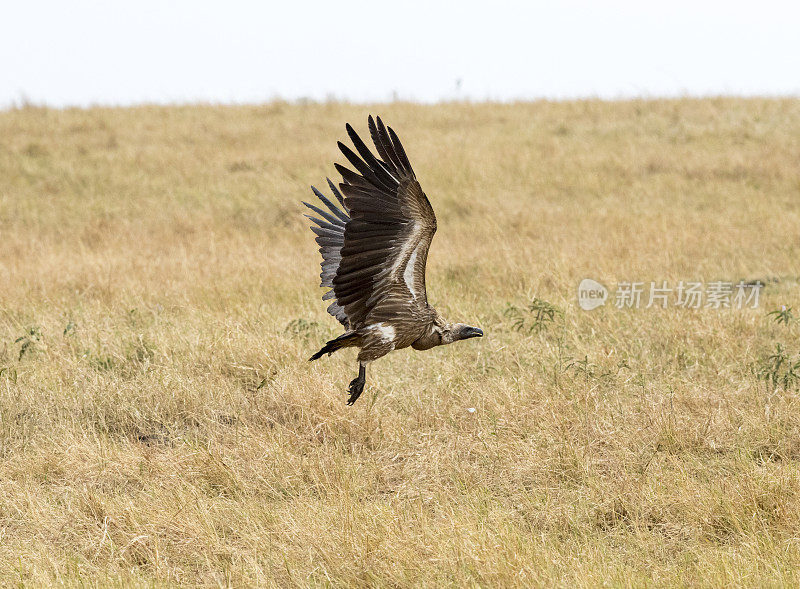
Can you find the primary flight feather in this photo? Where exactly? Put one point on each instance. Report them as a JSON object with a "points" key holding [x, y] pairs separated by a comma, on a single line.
{"points": [[374, 247]]}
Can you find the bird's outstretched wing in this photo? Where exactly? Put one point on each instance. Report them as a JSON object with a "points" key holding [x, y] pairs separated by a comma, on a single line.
{"points": [[379, 243]]}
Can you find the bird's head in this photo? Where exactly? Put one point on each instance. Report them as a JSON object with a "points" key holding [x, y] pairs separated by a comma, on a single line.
{"points": [[442, 333], [454, 332]]}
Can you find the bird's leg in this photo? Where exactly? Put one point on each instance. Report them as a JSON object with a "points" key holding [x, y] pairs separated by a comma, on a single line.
{"points": [[357, 384]]}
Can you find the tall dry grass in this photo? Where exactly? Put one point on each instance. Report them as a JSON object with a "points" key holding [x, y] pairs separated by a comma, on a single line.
{"points": [[160, 425]]}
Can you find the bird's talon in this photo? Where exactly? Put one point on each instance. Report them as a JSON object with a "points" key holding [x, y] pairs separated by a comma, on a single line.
{"points": [[355, 390]]}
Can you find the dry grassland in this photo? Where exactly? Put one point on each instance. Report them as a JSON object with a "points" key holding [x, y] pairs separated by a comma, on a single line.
{"points": [[160, 425]]}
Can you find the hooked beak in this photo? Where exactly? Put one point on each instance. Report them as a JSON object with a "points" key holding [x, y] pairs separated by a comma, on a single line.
{"points": [[473, 332]]}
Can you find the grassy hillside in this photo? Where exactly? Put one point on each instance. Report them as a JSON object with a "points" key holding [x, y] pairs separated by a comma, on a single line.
{"points": [[159, 422]]}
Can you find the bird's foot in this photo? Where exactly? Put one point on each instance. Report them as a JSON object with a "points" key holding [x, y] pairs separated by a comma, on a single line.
{"points": [[355, 389]]}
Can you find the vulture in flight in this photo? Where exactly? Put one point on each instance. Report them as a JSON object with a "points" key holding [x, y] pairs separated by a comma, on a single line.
{"points": [[374, 246]]}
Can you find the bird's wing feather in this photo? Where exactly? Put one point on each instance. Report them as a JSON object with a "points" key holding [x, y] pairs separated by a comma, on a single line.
{"points": [[390, 229], [375, 246], [330, 237]]}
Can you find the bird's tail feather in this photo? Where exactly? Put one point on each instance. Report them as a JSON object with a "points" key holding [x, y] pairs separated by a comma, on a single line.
{"points": [[343, 341]]}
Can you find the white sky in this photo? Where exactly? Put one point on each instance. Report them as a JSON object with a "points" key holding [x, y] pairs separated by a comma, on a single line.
{"points": [[103, 52]]}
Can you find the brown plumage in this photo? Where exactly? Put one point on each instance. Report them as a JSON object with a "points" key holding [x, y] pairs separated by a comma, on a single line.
{"points": [[374, 247]]}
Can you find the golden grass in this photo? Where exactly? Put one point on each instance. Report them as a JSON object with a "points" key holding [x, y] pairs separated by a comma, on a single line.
{"points": [[162, 426]]}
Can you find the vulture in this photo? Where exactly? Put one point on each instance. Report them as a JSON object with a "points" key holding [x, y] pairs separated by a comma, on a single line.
{"points": [[374, 245]]}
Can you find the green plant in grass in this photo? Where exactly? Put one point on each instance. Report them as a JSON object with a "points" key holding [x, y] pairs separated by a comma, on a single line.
{"points": [[535, 317], [783, 315], [779, 370], [29, 340]]}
